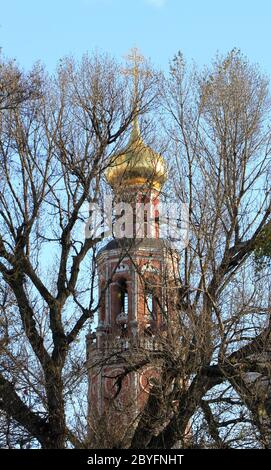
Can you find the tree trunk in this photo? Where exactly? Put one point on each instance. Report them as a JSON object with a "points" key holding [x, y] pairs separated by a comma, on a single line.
{"points": [[56, 409]]}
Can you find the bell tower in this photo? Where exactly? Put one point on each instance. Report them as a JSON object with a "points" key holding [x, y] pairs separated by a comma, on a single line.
{"points": [[134, 306]]}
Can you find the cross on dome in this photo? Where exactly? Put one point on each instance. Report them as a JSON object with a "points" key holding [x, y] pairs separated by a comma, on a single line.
{"points": [[135, 71], [137, 164]]}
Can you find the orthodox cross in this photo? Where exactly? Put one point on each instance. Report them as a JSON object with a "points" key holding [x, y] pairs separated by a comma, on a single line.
{"points": [[136, 59]]}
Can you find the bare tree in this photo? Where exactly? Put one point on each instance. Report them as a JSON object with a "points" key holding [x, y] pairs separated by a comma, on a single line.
{"points": [[219, 129], [214, 356], [54, 146]]}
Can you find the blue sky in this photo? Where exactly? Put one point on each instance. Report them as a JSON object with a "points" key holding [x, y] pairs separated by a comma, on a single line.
{"points": [[49, 29]]}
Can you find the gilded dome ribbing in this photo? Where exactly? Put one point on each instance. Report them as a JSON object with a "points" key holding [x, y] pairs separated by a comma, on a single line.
{"points": [[137, 164]]}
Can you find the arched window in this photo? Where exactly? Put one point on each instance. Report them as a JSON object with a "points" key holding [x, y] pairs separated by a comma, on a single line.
{"points": [[124, 297], [125, 303], [145, 223], [149, 306], [122, 314]]}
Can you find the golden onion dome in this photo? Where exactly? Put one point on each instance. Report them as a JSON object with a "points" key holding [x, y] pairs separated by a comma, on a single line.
{"points": [[137, 164]]}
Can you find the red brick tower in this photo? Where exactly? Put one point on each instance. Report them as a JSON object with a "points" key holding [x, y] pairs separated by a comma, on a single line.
{"points": [[134, 273], [133, 314]]}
